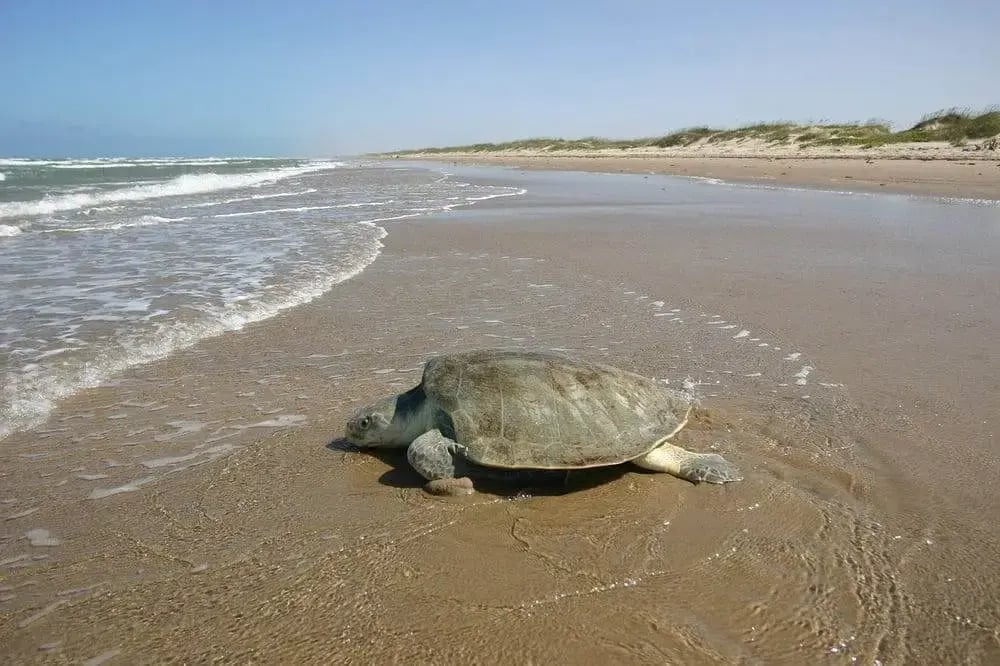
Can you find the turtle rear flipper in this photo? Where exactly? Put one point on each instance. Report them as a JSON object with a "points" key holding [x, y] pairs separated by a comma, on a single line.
{"points": [[694, 467]]}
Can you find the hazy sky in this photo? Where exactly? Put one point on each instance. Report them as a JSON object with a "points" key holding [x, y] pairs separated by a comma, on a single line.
{"points": [[311, 77]]}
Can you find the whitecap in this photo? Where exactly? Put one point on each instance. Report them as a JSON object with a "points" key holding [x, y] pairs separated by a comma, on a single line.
{"points": [[192, 183]]}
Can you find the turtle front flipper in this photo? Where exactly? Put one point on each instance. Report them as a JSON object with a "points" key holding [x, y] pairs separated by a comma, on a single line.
{"points": [[694, 467], [440, 461]]}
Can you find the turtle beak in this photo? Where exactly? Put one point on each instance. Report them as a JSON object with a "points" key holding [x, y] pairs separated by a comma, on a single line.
{"points": [[351, 434]]}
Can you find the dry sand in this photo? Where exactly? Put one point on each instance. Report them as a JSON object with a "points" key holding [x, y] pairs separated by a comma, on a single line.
{"points": [[975, 175], [861, 404]]}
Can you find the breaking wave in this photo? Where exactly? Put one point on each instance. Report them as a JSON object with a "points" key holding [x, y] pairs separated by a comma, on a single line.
{"points": [[181, 185]]}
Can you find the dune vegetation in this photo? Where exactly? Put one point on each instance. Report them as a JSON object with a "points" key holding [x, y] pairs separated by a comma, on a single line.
{"points": [[957, 127]]}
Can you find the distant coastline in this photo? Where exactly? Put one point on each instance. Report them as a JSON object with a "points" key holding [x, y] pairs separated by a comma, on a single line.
{"points": [[951, 153], [952, 134]]}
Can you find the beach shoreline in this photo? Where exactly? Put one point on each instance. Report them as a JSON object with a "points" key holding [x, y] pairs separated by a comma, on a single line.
{"points": [[972, 175], [836, 386]]}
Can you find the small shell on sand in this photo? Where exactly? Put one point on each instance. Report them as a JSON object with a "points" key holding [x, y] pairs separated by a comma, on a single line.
{"points": [[42, 538]]}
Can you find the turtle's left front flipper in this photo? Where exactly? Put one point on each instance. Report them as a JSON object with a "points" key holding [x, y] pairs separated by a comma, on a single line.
{"points": [[440, 461]]}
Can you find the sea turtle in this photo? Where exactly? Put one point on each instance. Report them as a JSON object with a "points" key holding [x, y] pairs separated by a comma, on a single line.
{"points": [[474, 413]]}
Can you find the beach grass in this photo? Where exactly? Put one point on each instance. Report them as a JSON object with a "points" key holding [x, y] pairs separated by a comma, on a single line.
{"points": [[956, 126]]}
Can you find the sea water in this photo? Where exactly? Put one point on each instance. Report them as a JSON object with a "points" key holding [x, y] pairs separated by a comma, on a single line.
{"points": [[108, 263]]}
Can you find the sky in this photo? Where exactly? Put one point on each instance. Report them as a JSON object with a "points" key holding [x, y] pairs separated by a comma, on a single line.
{"points": [[325, 78]]}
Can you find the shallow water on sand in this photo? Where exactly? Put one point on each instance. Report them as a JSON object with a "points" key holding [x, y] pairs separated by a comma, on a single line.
{"points": [[190, 490]]}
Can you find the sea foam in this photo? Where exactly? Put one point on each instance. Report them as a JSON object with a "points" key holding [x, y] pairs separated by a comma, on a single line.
{"points": [[301, 209], [255, 197], [27, 400], [144, 221]]}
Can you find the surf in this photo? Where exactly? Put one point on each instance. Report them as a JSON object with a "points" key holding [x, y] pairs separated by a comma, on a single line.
{"points": [[186, 184]]}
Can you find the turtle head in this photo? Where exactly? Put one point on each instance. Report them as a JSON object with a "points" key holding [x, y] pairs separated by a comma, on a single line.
{"points": [[374, 426]]}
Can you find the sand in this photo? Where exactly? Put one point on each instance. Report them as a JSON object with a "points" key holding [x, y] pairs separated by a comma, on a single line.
{"points": [[975, 175], [843, 350]]}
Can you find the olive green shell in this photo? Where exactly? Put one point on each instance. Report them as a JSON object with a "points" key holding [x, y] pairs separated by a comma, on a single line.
{"points": [[542, 410]]}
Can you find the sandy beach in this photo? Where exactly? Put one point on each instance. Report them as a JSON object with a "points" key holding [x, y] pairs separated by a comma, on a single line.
{"points": [[842, 348], [967, 175]]}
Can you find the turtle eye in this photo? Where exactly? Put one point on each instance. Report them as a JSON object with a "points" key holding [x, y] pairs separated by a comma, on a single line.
{"points": [[365, 422]]}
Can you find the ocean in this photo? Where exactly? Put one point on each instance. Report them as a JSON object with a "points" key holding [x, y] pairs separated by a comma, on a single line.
{"points": [[109, 263]]}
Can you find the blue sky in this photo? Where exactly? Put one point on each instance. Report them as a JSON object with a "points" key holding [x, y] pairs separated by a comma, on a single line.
{"points": [[323, 78]]}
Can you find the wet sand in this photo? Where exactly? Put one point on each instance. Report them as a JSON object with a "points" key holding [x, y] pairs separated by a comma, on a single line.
{"points": [[842, 347], [975, 176]]}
